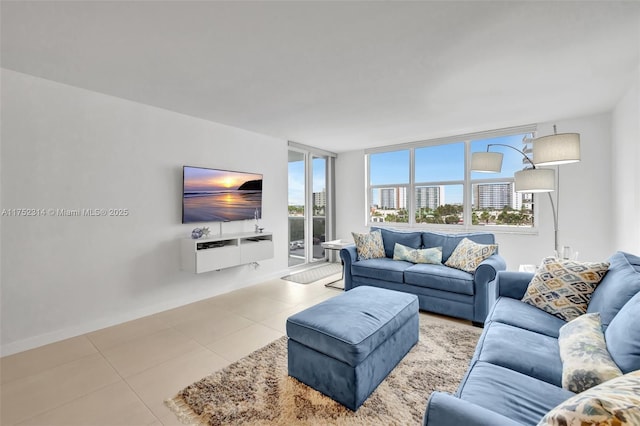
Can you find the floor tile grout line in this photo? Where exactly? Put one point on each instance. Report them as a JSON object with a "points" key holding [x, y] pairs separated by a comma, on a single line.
{"points": [[53, 367], [79, 396], [315, 296]]}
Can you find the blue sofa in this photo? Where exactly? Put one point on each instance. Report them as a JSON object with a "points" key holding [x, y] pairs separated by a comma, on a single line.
{"points": [[439, 288], [515, 376]]}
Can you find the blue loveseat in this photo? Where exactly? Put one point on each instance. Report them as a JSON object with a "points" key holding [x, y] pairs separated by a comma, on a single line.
{"points": [[515, 376], [439, 288]]}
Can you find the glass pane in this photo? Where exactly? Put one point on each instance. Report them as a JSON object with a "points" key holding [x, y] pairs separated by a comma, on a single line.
{"points": [[439, 204], [512, 160], [389, 205], [389, 167], [497, 203], [319, 205], [296, 208], [440, 163]]}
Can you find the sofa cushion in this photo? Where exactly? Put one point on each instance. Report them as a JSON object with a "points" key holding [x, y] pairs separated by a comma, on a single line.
{"points": [[623, 336], [510, 393], [468, 255], [586, 362], [620, 284], [368, 317], [392, 236], [614, 403], [369, 246], [524, 351], [449, 242], [513, 312], [382, 269], [431, 255], [440, 277], [564, 287]]}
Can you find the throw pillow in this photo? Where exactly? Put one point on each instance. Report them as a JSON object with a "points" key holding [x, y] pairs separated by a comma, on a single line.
{"points": [[623, 336], [469, 254], [369, 246], [586, 362], [616, 402], [563, 287], [431, 255]]}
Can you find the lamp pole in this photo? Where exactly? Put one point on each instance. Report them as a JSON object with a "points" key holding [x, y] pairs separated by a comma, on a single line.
{"points": [[553, 206]]}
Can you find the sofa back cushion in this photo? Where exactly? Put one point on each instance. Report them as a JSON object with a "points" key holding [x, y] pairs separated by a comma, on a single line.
{"points": [[620, 284], [449, 242], [623, 336], [392, 236]]}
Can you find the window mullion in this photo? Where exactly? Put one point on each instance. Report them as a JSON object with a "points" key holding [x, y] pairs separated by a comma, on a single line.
{"points": [[412, 187]]}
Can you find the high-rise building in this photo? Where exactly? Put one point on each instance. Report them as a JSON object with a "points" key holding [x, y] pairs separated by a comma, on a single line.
{"points": [[429, 197], [320, 198], [401, 197], [393, 198], [387, 198], [494, 195]]}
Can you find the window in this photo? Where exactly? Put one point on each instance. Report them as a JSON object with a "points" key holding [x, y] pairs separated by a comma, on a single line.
{"points": [[429, 183], [493, 198], [439, 184], [389, 185]]}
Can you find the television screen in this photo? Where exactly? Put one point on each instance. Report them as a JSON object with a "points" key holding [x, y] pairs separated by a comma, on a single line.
{"points": [[211, 195]]}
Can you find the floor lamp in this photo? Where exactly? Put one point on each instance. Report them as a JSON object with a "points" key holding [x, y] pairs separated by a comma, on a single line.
{"points": [[559, 148]]}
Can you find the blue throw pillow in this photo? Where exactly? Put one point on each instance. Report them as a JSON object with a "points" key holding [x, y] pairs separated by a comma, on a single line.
{"points": [[623, 336], [620, 284]]}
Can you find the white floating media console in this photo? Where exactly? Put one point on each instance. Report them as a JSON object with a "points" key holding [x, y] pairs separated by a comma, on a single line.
{"points": [[225, 251]]}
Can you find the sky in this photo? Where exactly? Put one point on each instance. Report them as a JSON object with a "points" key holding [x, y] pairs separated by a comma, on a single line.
{"points": [[432, 164], [296, 180], [201, 179]]}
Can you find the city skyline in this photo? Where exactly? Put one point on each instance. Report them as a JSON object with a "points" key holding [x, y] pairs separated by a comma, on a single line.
{"points": [[433, 164]]}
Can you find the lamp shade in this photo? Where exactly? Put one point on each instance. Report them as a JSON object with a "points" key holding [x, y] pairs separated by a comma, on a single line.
{"points": [[486, 162], [556, 149], [535, 180]]}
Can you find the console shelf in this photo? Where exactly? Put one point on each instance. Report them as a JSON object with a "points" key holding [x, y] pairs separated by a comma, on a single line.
{"points": [[224, 251]]}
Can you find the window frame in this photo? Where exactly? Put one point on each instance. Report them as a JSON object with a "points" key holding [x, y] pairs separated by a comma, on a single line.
{"points": [[467, 184]]}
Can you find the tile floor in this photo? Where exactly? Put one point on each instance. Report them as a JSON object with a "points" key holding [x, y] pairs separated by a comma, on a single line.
{"points": [[121, 375]]}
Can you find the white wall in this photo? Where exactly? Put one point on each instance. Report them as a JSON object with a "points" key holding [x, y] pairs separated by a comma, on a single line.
{"points": [[585, 202], [625, 173], [64, 147]]}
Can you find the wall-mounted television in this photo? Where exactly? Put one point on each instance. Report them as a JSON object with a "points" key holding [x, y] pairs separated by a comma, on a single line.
{"points": [[212, 195]]}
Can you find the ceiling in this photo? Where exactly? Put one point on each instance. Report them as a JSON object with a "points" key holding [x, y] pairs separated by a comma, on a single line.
{"points": [[337, 75]]}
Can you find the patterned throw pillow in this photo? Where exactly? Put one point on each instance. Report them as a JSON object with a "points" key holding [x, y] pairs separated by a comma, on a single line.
{"points": [[586, 362], [613, 403], [469, 254], [431, 255], [563, 287], [369, 246]]}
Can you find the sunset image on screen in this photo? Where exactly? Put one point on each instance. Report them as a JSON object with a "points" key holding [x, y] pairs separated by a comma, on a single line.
{"points": [[211, 195]]}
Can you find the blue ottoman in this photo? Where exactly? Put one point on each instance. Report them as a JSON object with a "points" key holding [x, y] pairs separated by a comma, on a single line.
{"points": [[344, 347]]}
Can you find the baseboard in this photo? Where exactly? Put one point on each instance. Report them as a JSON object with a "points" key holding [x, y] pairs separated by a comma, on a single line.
{"points": [[89, 327]]}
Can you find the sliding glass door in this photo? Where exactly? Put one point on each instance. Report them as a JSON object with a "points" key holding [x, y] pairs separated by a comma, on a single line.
{"points": [[309, 201], [297, 201], [319, 203]]}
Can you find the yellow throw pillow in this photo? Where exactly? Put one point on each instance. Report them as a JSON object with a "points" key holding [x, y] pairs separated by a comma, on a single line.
{"points": [[563, 287], [469, 254]]}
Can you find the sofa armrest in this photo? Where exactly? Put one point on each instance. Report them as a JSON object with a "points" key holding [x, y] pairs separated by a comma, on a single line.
{"points": [[512, 284], [348, 255], [484, 274], [447, 410]]}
